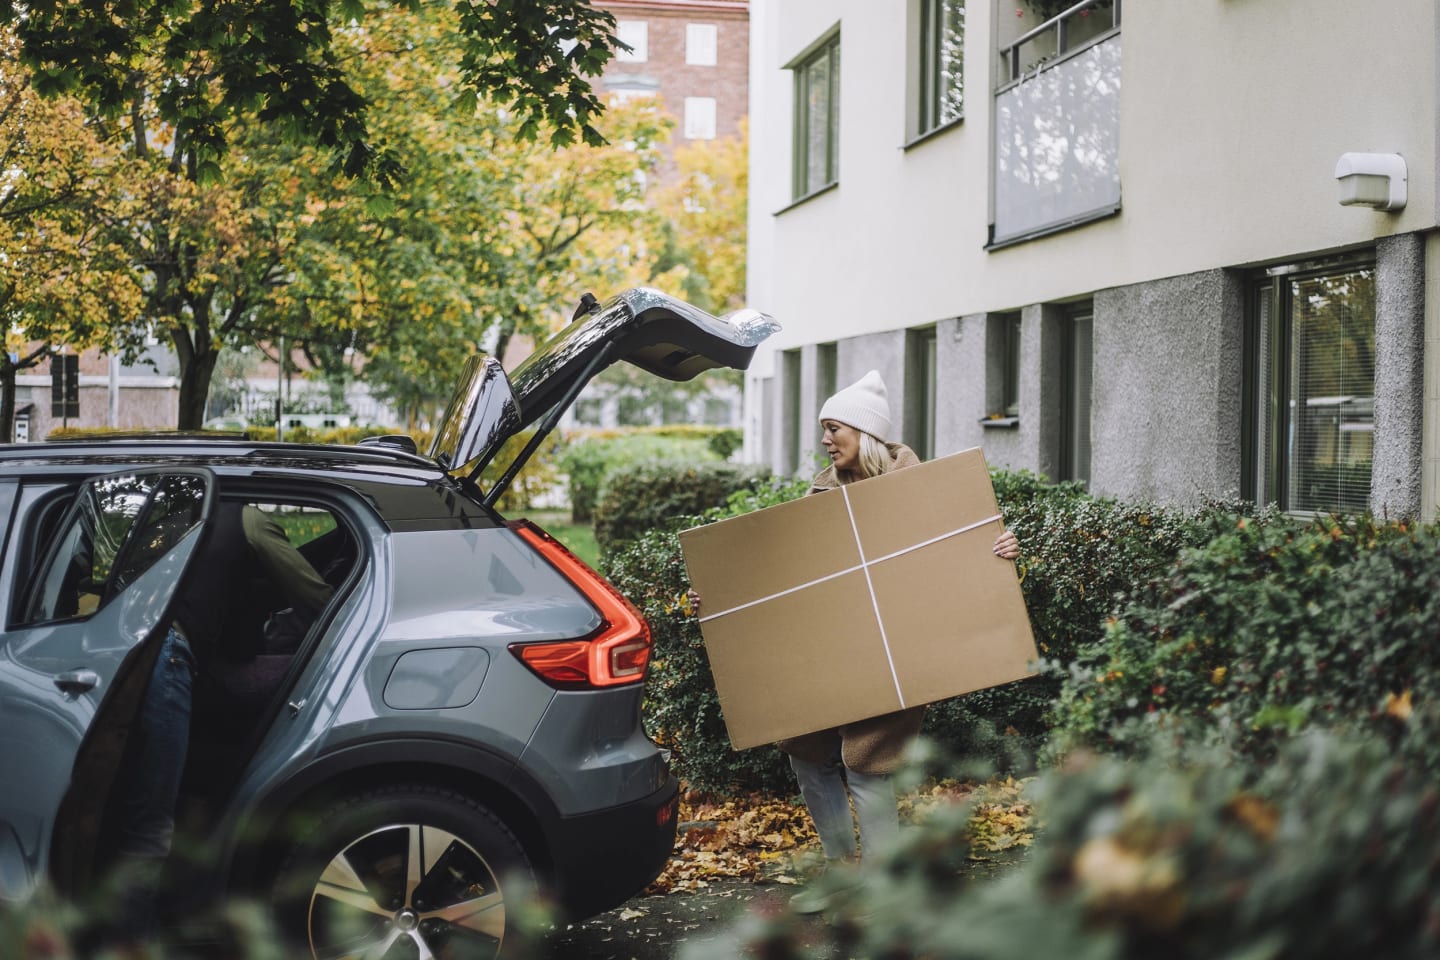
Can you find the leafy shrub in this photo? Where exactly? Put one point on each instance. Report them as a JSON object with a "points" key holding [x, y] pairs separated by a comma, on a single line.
{"points": [[681, 709], [1082, 556], [590, 457], [1329, 852], [649, 496], [725, 441], [1271, 626]]}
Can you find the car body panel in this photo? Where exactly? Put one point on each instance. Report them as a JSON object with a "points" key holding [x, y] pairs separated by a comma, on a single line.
{"points": [[650, 329], [45, 722]]}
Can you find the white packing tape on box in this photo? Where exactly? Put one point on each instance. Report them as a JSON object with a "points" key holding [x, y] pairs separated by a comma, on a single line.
{"points": [[865, 566]]}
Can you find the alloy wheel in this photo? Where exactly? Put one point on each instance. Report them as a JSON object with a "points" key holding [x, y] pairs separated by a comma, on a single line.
{"points": [[407, 892]]}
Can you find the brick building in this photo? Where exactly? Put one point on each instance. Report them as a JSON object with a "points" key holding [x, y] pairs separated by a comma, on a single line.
{"points": [[692, 54]]}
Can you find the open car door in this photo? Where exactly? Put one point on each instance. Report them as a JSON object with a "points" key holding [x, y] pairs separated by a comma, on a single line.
{"points": [[656, 332], [76, 658]]}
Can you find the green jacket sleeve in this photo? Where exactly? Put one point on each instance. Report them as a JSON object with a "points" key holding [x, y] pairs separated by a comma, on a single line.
{"points": [[306, 590]]}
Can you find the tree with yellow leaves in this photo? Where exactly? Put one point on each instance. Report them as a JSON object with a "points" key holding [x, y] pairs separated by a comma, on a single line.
{"points": [[64, 275]]}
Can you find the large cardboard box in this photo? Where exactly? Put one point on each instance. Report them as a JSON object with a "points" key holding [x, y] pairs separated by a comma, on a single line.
{"points": [[859, 601]]}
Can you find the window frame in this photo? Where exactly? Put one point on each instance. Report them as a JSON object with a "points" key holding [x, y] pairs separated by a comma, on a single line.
{"points": [[1070, 439], [922, 390], [826, 49], [927, 117], [1010, 346], [1270, 288], [34, 587]]}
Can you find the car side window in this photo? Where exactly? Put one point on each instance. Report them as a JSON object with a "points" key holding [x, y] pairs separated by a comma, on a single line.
{"points": [[117, 527]]}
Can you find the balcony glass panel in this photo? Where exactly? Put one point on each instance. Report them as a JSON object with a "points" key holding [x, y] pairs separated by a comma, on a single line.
{"points": [[1057, 144]]}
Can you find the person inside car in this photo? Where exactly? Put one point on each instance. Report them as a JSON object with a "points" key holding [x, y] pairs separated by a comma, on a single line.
{"points": [[244, 544]]}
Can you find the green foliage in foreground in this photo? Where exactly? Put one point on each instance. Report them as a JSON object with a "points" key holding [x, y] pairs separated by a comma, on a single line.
{"points": [[1328, 852]]}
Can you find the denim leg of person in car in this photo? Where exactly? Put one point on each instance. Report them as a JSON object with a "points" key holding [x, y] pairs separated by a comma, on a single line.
{"points": [[150, 784], [823, 785]]}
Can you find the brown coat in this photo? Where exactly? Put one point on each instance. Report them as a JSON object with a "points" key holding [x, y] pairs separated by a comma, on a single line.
{"points": [[876, 745]]}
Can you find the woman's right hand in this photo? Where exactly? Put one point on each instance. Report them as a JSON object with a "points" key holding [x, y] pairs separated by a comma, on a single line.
{"points": [[693, 596]]}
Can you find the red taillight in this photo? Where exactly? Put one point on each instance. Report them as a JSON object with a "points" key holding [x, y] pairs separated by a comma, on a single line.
{"points": [[617, 653]]}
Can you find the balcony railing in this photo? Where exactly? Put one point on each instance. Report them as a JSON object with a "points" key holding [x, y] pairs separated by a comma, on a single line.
{"points": [[1053, 40]]}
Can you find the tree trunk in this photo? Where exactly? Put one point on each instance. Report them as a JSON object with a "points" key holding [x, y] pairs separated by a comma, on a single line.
{"points": [[195, 379], [7, 400]]}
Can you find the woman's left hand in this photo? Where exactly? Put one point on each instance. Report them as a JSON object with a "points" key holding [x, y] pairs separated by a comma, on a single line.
{"points": [[1007, 547]]}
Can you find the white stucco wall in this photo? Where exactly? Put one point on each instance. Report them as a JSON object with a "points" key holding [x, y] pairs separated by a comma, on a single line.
{"points": [[1233, 115]]}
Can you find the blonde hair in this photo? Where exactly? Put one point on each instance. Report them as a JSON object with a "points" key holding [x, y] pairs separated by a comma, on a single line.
{"points": [[874, 456]]}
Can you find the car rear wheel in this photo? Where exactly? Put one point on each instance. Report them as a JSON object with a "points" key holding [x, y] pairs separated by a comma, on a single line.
{"points": [[406, 872]]}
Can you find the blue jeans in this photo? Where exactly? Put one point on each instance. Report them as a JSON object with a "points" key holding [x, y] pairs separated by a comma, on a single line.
{"points": [[148, 786], [828, 789]]}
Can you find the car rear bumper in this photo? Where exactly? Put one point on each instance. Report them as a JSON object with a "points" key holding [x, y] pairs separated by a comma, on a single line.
{"points": [[604, 858]]}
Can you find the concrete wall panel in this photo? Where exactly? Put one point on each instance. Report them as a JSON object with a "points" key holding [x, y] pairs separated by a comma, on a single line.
{"points": [[1166, 423], [1399, 376]]}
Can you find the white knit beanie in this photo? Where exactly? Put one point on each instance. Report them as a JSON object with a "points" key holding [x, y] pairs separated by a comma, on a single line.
{"points": [[862, 405]]}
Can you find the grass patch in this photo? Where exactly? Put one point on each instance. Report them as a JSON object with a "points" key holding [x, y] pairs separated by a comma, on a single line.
{"points": [[578, 537]]}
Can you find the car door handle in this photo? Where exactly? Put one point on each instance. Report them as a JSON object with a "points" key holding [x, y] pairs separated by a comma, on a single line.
{"points": [[72, 683]]}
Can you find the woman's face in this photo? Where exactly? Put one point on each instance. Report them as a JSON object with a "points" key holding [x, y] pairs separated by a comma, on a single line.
{"points": [[842, 442]]}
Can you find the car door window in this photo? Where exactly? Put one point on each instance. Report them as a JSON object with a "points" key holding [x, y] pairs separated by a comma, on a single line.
{"points": [[117, 528]]}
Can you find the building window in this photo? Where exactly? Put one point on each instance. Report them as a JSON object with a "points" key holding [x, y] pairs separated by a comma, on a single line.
{"points": [[1076, 360], [920, 392], [827, 366], [817, 117], [699, 118], [635, 34], [941, 63], [1310, 387], [700, 44], [1002, 369], [791, 428]]}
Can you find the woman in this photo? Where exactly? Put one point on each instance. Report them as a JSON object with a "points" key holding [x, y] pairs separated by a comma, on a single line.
{"points": [[854, 762]]}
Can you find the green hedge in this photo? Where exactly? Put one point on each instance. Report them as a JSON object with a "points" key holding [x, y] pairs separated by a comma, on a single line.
{"points": [[1272, 626], [649, 496], [590, 457], [1082, 557]]}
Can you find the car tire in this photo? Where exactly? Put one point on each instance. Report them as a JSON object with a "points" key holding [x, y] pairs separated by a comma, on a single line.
{"points": [[406, 862]]}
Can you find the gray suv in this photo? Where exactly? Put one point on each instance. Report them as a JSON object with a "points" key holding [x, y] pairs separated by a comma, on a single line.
{"points": [[457, 725]]}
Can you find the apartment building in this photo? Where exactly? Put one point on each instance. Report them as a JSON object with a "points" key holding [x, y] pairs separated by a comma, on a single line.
{"points": [[693, 55], [1174, 250]]}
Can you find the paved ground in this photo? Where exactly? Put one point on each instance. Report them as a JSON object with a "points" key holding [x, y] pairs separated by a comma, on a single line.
{"points": [[657, 927]]}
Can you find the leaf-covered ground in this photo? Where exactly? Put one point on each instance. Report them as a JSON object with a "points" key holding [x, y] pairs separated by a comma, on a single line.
{"points": [[744, 856], [769, 840]]}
